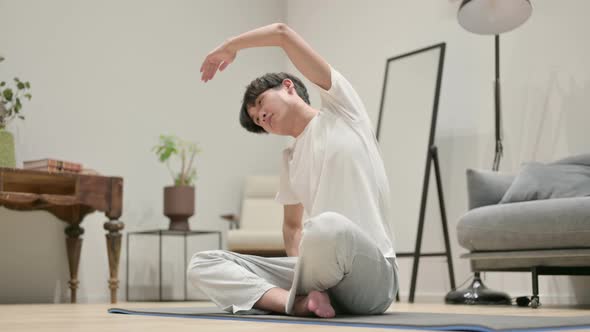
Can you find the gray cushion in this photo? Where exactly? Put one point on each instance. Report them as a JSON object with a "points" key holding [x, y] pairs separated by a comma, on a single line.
{"points": [[544, 224], [486, 187], [582, 159], [556, 180]]}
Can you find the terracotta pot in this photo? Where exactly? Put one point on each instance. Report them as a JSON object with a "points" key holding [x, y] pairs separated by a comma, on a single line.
{"points": [[179, 205]]}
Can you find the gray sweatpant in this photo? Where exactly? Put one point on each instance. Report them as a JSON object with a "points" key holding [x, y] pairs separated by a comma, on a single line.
{"points": [[334, 256]]}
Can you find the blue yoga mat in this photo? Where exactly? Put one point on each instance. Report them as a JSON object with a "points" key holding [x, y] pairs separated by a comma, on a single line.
{"points": [[389, 320]]}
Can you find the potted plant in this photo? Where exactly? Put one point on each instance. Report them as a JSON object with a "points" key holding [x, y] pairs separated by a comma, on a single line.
{"points": [[179, 199], [10, 106]]}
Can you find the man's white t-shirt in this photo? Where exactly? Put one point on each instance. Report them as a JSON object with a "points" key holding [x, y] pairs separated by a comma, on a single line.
{"points": [[335, 165]]}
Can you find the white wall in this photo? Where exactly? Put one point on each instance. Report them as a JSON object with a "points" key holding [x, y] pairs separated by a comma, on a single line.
{"points": [[546, 95], [107, 78]]}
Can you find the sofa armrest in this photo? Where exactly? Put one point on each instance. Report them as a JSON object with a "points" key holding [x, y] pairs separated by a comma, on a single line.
{"points": [[234, 220], [486, 187]]}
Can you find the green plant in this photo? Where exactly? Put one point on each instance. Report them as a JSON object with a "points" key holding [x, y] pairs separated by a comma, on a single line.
{"points": [[186, 151], [11, 100]]}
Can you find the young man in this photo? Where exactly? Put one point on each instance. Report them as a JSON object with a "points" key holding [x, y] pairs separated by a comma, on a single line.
{"points": [[341, 259]]}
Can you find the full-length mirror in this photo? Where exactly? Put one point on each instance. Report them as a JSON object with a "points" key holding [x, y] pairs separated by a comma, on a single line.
{"points": [[406, 128], [406, 131]]}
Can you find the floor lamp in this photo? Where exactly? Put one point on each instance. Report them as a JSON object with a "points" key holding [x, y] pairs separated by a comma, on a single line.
{"points": [[490, 17]]}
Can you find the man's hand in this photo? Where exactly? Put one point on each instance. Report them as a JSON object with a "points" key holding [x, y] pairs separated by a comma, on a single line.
{"points": [[219, 58]]}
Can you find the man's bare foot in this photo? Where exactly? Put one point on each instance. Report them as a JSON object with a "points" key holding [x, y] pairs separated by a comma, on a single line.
{"points": [[319, 304], [315, 303]]}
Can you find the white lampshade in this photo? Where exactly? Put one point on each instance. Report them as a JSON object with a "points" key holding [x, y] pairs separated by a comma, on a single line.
{"points": [[492, 17]]}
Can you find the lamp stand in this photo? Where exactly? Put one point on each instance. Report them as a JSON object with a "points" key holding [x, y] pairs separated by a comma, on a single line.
{"points": [[497, 106], [477, 292]]}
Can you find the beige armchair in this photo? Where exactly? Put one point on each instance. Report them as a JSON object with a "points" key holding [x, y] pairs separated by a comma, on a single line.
{"points": [[258, 231]]}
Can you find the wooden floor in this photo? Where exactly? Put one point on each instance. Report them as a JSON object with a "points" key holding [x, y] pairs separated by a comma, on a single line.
{"points": [[94, 317]]}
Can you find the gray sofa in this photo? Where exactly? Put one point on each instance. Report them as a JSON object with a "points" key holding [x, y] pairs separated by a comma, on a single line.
{"points": [[548, 236]]}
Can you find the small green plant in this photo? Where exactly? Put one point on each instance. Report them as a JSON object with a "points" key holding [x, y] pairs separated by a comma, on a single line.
{"points": [[169, 146], [11, 100]]}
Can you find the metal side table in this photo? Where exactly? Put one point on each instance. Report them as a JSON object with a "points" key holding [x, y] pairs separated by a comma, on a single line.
{"points": [[160, 233]]}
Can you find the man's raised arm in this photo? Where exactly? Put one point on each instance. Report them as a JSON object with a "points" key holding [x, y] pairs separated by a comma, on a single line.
{"points": [[305, 59]]}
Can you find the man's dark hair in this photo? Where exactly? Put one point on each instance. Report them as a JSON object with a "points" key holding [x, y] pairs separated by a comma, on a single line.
{"points": [[257, 87]]}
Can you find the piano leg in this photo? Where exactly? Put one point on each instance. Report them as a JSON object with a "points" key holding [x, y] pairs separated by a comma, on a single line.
{"points": [[114, 252], [74, 246]]}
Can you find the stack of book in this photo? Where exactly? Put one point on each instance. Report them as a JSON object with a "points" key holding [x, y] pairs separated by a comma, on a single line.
{"points": [[53, 165]]}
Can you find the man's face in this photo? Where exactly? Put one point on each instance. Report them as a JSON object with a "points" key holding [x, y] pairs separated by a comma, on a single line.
{"points": [[270, 110]]}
